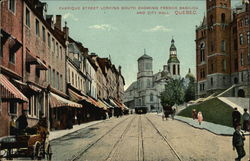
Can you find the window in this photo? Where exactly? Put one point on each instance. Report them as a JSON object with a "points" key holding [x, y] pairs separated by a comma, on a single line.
{"points": [[37, 28], [57, 80], [236, 64], [61, 83], [211, 20], [12, 56], [76, 79], [202, 52], [151, 97], [241, 59], [248, 37], [49, 74], [212, 46], [27, 67], [223, 45], [60, 52], [12, 5], [49, 41], [148, 83], [73, 81], [223, 17], [27, 17], [53, 45], [224, 65], [235, 44], [44, 36], [246, 21], [212, 67], [13, 108], [37, 72], [57, 50], [241, 39], [174, 69], [148, 66], [68, 75], [178, 69], [53, 78]]}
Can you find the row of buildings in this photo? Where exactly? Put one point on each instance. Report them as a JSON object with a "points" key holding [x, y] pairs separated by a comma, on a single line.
{"points": [[48, 73], [222, 49]]}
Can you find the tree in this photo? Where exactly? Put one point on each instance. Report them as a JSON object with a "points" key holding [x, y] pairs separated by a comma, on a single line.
{"points": [[190, 91], [174, 93]]}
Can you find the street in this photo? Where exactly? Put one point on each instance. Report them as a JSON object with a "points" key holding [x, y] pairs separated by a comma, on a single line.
{"points": [[144, 137]]}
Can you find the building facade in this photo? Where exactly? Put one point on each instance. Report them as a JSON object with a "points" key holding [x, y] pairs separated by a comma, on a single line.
{"points": [[145, 92], [222, 50]]}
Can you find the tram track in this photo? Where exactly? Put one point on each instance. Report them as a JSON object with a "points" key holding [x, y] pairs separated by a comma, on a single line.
{"points": [[114, 149], [164, 138], [83, 151]]}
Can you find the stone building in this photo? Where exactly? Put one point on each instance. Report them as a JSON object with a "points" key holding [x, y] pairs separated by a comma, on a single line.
{"points": [[146, 90], [222, 46]]}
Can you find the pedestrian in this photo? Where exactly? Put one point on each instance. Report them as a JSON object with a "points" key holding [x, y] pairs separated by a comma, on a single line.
{"points": [[238, 142], [246, 120], [200, 117], [236, 117], [13, 129], [194, 114], [21, 122], [173, 112]]}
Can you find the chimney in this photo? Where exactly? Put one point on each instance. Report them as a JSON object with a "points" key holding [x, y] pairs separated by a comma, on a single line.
{"points": [[58, 23], [66, 31], [120, 69]]}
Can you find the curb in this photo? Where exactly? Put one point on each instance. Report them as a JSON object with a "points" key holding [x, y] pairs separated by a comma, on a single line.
{"points": [[77, 130]]}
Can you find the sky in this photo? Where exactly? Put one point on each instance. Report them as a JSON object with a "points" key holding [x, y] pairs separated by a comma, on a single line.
{"points": [[106, 29]]}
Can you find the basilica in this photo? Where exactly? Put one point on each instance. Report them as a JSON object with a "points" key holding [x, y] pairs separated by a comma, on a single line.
{"points": [[146, 90]]}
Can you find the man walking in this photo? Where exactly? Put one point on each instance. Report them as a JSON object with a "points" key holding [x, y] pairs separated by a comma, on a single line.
{"points": [[236, 117], [238, 142]]}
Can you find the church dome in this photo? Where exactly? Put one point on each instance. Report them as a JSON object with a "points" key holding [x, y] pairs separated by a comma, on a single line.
{"points": [[189, 74], [145, 56]]}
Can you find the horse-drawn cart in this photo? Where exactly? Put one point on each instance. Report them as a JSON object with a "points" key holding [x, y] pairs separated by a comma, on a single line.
{"points": [[34, 145]]}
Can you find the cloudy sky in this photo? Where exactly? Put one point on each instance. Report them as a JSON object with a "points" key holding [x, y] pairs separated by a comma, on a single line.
{"points": [[125, 33]]}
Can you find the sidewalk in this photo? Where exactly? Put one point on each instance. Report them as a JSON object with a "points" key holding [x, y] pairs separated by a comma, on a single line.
{"points": [[60, 133], [211, 127]]}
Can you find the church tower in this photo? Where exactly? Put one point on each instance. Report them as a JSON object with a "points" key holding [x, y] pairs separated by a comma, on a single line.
{"points": [[173, 62], [218, 44]]}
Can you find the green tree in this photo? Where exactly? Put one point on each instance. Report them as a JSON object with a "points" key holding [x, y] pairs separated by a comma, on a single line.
{"points": [[190, 91], [174, 93]]}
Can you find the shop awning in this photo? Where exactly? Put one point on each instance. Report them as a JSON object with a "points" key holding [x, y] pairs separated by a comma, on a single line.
{"points": [[8, 92], [119, 104], [94, 102], [76, 97], [113, 103], [109, 106], [102, 105], [58, 101]]}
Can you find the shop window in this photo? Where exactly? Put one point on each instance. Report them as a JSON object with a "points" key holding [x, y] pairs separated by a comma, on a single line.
{"points": [[12, 5], [27, 17], [13, 108]]}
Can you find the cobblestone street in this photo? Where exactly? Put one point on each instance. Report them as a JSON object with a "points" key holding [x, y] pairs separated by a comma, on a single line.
{"points": [[144, 137]]}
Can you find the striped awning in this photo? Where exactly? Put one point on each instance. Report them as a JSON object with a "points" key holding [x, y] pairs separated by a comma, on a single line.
{"points": [[102, 104], [76, 97], [58, 101], [8, 92], [94, 102]]}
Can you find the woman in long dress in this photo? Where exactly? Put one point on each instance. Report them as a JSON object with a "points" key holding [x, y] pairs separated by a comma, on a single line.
{"points": [[200, 117]]}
